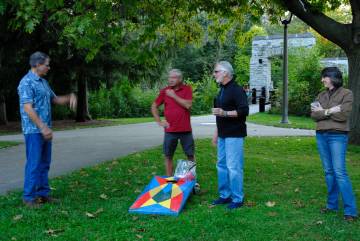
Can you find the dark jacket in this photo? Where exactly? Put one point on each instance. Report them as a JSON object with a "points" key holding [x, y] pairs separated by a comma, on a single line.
{"points": [[337, 121], [232, 97]]}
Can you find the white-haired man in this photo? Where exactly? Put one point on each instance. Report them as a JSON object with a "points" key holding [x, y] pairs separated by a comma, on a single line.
{"points": [[230, 108], [177, 100]]}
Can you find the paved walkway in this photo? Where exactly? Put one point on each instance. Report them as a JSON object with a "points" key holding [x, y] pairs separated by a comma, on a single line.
{"points": [[74, 149]]}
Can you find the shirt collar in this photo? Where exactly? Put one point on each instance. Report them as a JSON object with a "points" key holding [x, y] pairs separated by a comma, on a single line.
{"points": [[331, 92], [181, 86], [34, 76], [227, 84]]}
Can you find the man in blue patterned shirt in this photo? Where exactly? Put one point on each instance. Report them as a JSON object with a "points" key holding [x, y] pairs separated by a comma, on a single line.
{"points": [[35, 97]]}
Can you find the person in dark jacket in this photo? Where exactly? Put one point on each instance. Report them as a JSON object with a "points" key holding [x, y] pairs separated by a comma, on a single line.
{"points": [[331, 111], [230, 108]]}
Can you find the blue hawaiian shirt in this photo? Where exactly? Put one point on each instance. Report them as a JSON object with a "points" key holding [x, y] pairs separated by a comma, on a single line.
{"points": [[35, 90]]}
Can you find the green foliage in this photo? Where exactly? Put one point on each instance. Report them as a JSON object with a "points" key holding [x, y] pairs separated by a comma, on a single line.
{"points": [[204, 92], [122, 100], [242, 69], [304, 80]]}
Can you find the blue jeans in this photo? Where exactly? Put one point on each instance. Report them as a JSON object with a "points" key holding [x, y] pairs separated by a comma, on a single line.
{"points": [[332, 149], [230, 168], [38, 158]]}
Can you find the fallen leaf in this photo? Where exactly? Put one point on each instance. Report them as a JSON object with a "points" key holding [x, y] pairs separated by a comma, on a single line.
{"points": [[272, 214], [319, 222], [53, 232], [17, 217], [250, 203], [139, 236], [100, 210], [297, 189], [298, 204], [104, 196], [135, 218], [270, 204], [90, 215], [13, 238], [65, 212]]}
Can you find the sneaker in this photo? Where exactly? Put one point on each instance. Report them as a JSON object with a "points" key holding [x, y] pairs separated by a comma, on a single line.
{"points": [[196, 189], [42, 200], [234, 205], [31, 204], [221, 201], [350, 218]]}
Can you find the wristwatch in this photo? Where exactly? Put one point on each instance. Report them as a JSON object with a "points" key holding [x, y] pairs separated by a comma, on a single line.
{"points": [[225, 113]]}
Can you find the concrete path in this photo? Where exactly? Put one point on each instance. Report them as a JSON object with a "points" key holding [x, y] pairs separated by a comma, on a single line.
{"points": [[74, 149]]}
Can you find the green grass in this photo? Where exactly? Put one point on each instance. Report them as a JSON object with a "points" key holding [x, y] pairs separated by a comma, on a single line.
{"points": [[5, 144], [125, 121], [267, 119], [286, 171]]}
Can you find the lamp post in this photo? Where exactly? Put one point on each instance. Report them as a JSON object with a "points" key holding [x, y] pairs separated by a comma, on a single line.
{"points": [[285, 102]]}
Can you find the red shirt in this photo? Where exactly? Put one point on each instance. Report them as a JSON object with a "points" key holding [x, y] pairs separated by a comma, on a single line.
{"points": [[176, 115]]}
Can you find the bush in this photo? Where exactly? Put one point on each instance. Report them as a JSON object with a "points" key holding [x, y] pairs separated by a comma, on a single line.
{"points": [[204, 92], [122, 100], [304, 81]]}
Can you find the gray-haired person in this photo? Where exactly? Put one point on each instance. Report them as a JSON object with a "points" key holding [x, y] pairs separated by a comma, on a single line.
{"points": [[35, 97], [230, 108], [177, 101]]}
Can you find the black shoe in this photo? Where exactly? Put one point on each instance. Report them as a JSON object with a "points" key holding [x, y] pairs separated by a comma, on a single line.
{"points": [[327, 210], [234, 205], [221, 201], [31, 204], [350, 218], [43, 200]]}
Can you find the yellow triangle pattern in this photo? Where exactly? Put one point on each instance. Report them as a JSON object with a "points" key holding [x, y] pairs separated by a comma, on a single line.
{"points": [[149, 202], [156, 190], [166, 203], [175, 191]]}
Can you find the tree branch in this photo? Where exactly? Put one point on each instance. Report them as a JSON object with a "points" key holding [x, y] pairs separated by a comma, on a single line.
{"points": [[336, 32], [355, 7]]}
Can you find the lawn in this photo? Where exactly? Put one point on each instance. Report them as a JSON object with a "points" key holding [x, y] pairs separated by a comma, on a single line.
{"points": [[4, 144], [284, 188], [15, 127], [267, 119]]}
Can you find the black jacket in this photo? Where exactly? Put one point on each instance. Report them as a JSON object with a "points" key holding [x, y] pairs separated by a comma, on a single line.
{"points": [[232, 97]]}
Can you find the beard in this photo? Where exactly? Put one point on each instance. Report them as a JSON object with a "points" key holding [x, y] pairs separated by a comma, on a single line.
{"points": [[219, 79]]}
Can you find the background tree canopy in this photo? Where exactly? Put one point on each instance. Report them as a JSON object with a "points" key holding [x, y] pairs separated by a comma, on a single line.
{"points": [[101, 44]]}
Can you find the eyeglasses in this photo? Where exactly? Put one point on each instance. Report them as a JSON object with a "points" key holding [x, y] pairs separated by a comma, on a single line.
{"points": [[217, 71]]}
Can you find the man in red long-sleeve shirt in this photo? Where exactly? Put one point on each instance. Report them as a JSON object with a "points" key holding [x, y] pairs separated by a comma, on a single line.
{"points": [[177, 100]]}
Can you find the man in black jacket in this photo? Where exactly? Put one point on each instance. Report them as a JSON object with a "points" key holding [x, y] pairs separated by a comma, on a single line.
{"points": [[230, 108]]}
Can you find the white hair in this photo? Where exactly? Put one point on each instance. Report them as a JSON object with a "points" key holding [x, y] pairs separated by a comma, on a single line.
{"points": [[177, 72], [226, 67]]}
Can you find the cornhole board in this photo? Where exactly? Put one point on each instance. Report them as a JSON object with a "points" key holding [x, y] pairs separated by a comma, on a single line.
{"points": [[164, 195]]}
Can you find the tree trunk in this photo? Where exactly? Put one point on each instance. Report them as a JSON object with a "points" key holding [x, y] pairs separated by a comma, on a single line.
{"points": [[3, 117], [82, 112], [354, 85]]}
